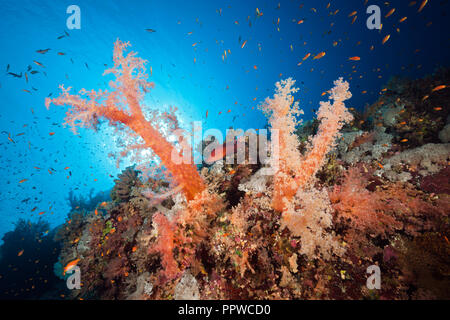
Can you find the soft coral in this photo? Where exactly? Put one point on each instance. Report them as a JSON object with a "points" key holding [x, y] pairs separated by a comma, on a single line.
{"points": [[122, 108], [294, 170]]}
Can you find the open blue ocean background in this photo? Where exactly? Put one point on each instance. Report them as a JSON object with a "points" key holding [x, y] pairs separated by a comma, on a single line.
{"points": [[185, 52]]}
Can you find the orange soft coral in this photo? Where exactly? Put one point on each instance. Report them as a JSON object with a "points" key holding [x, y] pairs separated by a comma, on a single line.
{"points": [[294, 170], [122, 108], [165, 245], [364, 210]]}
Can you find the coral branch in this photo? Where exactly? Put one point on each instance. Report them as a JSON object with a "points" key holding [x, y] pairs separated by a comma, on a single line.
{"points": [[165, 245], [295, 170], [122, 106]]}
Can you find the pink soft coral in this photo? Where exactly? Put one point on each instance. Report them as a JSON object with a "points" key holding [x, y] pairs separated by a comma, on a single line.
{"points": [[122, 108], [364, 210], [294, 170]]}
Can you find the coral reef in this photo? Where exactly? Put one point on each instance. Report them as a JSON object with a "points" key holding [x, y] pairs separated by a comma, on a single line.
{"points": [[343, 196]]}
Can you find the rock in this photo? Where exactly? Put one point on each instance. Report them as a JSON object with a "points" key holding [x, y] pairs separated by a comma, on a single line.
{"points": [[444, 134], [187, 288]]}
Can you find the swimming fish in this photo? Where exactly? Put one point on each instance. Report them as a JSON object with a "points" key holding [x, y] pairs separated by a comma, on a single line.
{"points": [[222, 151], [70, 265], [320, 55], [390, 13], [439, 88], [43, 51], [15, 74], [424, 2], [39, 64]]}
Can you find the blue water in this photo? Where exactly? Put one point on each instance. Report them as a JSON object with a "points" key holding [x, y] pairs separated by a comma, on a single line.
{"points": [[210, 83]]}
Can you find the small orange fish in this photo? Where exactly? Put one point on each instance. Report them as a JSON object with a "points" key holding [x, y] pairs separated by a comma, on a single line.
{"points": [[390, 13], [206, 114], [39, 64], [439, 88], [20, 253], [352, 14], [61, 53], [320, 55], [306, 56], [243, 44], [134, 249], [70, 265], [51, 133], [354, 58], [385, 39], [300, 21], [424, 2], [23, 180], [41, 213], [404, 140], [437, 109], [380, 165], [402, 19]]}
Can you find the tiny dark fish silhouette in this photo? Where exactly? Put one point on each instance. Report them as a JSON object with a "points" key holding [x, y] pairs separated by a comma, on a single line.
{"points": [[34, 72], [15, 74], [150, 30], [86, 65], [43, 51], [66, 33], [60, 37], [7, 68]]}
